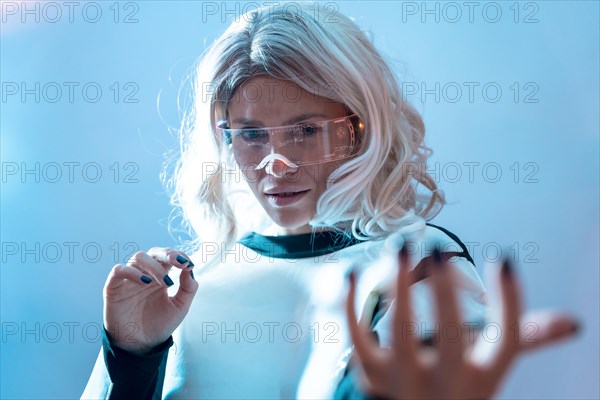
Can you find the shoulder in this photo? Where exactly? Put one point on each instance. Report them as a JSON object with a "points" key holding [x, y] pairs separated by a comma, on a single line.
{"points": [[420, 242], [421, 238], [448, 241]]}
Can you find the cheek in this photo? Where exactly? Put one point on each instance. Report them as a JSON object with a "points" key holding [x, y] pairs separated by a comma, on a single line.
{"points": [[314, 174], [252, 178], [326, 171], [320, 174]]}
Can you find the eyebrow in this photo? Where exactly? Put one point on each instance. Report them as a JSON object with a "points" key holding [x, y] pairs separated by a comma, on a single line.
{"points": [[291, 121]]}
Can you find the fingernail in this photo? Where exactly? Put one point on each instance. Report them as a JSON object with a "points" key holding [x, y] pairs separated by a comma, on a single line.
{"points": [[404, 253], [351, 276], [428, 340], [575, 326], [145, 279], [437, 257], [168, 280], [192, 274], [191, 264], [507, 269], [181, 259]]}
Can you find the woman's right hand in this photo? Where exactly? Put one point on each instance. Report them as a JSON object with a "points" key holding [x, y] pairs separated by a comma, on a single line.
{"points": [[138, 312]]}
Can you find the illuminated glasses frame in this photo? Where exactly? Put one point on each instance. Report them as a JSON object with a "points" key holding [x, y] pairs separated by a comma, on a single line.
{"points": [[228, 133]]}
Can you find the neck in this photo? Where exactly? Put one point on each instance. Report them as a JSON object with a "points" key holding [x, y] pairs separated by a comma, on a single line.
{"points": [[275, 230]]}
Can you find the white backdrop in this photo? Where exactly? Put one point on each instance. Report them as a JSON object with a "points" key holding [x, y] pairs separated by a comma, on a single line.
{"points": [[508, 90]]}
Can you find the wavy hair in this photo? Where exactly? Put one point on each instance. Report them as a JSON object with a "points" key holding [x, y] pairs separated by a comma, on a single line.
{"points": [[373, 194]]}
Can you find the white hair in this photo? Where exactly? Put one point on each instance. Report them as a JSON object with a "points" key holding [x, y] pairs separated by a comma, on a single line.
{"points": [[373, 194]]}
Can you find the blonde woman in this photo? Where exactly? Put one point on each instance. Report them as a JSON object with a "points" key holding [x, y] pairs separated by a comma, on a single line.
{"points": [[302, 178]]}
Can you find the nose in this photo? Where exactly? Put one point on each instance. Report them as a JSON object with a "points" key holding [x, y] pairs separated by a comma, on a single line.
{"points": [[278, 168], [277, 165]]}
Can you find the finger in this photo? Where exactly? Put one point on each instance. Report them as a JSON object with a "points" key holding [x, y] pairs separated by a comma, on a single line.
{"points": [[510, 304], [423, 269], [404, 341], [451, 345], [187, 290], [364, 344], [541, 328], [121, 273], [150, 266], [171, 257]]}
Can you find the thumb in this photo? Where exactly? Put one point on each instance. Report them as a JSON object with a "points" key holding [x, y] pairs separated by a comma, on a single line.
{"points": [[540, 328], [187, 289]]}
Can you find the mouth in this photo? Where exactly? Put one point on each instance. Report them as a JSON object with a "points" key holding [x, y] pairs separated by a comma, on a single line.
{"points": [[285, 198]]}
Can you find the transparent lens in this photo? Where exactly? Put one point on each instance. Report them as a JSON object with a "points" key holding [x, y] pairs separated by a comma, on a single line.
{"points": [[307, 143]]}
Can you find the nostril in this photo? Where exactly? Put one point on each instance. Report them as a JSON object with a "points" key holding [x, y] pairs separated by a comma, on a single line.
{"points": [[269, 169], [277, 165], [276, 168]]}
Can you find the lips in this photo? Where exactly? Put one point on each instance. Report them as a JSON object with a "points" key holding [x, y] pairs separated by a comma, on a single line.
{"points": [[287, 197], [285, 193]]}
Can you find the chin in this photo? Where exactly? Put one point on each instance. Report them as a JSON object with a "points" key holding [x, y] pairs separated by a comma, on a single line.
{"points": [[291, 218], [291, 224]]}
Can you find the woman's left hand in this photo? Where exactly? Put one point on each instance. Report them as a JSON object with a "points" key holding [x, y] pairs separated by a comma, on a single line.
{"points": [[463, 367]]}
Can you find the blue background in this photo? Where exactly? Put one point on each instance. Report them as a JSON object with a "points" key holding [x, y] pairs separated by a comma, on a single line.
{"points": [[549, 211]]}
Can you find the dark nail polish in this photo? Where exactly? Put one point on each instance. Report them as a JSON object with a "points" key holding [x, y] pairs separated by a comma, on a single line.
{"points": [[351, 275], [145, 279], [192, 274], [181, 259], [168, 280], [404, 253], [437, 257], [507, 269], [428, 340], [575, 327], [191, 264]]}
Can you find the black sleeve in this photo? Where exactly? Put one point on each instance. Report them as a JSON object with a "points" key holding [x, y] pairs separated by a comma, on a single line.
{"points": [[134, 376]]}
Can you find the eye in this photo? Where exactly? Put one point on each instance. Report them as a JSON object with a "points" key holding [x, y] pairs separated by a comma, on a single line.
{"points": [[308, 130], [253, 135]]}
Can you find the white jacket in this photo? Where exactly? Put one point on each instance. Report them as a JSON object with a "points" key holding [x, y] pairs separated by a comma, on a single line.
{"points": [[266, 327]]}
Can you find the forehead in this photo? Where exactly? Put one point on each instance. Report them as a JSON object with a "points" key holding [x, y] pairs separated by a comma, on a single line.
{"points": [[276, 100]]}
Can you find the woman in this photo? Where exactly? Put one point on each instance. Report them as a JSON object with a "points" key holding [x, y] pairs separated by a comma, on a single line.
{"points": [[300, 165]]}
